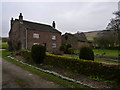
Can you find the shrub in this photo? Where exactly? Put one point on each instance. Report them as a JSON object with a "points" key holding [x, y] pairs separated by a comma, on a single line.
{"points": [[38, 53], [17, 46], [86, 67], [14, 46], [10, 47], [67, 49], [62, 47], [86, 53], [70, 51], [26, 54]]}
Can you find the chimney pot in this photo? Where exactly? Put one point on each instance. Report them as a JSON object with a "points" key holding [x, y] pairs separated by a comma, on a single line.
{"points": [[53, 24]]}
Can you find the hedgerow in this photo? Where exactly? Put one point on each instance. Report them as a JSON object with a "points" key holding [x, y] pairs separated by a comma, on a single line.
{"points": [[108, 72], [85, 67]]}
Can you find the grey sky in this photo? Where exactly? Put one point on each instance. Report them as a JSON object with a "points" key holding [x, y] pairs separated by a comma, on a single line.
{"points": [[69, 16]]}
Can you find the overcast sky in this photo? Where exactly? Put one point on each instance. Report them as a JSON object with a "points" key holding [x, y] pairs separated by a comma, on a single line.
{"points": [[69, 16]]}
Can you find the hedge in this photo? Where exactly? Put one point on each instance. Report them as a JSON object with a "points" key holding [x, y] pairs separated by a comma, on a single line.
{"points": [[86, 53], [86, 67], [38, 53]]}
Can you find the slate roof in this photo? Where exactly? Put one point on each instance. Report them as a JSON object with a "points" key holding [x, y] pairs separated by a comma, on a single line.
{"points": [[38, 26], [81, 38]]}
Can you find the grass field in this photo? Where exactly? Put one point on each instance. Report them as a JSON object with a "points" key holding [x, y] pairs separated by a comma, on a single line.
{"points": [[108, 53], [3, 45]]}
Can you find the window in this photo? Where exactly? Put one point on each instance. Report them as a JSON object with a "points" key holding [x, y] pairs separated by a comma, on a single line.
{"points": [[35, 43], [21, 22], [35, 35], [53, 37], [53, 45]]}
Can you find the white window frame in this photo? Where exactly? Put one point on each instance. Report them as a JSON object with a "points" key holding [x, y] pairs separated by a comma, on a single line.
{"points": [[54, 45], [21, 22], [53, 37], [35, 43], [35, 35]]}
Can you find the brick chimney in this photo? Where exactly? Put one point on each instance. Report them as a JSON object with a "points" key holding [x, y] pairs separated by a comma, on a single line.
{"points": [[53, 24], [11, 21], [20, 17]]}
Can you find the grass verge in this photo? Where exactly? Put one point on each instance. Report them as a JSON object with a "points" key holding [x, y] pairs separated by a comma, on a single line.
{"points": [[47, 76]]}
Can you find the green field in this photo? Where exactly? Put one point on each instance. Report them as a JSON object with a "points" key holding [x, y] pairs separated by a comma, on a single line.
{"points": [[3, 45], [108, 53]]}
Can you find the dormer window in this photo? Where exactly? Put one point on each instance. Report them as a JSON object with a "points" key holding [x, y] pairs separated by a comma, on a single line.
{"points": [[35, 35], [53, 37]]}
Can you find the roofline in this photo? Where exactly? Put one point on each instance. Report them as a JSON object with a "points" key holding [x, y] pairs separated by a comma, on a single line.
{"points": [[41, 24]]}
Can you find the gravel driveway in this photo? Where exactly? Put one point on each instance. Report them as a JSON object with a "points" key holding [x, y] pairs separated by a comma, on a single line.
{"points": [[13, 76]]}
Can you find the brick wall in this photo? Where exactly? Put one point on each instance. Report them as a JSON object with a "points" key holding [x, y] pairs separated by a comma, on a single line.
{"points": [[44, 38]]}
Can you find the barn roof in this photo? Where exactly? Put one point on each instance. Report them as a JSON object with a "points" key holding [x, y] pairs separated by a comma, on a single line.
{"points": [[79, 37]]}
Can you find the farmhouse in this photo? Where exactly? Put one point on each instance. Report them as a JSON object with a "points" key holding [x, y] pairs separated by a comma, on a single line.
{"points": [[25, 34], [76, 40]]}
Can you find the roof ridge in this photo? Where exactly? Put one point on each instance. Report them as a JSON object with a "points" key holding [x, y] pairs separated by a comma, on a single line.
{"points": [[37, 23]]}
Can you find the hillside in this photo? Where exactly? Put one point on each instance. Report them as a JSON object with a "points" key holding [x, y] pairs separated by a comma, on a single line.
{"points": [[90, 35]]}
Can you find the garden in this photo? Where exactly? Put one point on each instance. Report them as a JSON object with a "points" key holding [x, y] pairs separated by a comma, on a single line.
{"points": [[70, 65]]}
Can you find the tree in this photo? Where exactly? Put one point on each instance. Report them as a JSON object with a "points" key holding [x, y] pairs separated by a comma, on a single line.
{"points": [[115, 25], [106, 39]]}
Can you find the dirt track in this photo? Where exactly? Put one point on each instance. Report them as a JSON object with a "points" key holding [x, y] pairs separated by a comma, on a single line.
{"points": [[13, 75]]}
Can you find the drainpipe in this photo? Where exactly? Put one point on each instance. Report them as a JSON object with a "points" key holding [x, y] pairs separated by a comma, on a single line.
{"points": [[26, 38]]}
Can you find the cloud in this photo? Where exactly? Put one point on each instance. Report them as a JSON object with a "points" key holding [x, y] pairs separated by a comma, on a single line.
{"points": [[69, 16]]}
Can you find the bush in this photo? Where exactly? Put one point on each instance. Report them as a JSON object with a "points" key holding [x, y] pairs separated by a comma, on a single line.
{"points": [[10, 47], [26, 54], [16, 46], [70, 51], [85, 67], [86, 53], [62, 47], [67, 49], [38, 53]]}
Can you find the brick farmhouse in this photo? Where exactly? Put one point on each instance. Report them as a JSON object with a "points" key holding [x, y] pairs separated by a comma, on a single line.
{"points": [[26, 34]]}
